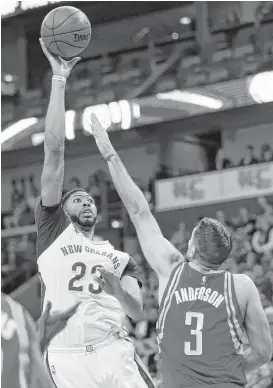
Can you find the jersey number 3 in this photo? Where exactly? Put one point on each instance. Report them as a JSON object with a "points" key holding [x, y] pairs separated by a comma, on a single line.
{"points": [[196, 332], [79, 267]]}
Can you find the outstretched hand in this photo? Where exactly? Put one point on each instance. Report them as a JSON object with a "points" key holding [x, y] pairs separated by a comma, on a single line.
{"points": [[50, 324], [59, 66], [101, 136]]}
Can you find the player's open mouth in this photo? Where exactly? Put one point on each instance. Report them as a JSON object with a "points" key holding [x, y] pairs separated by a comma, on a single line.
{"points": [[87, 213]]}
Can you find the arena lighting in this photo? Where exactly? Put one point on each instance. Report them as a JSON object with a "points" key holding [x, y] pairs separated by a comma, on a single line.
{"points": [[36, 4], [8, 78], [175, 35], [185, 20], [115, 112], [17, 128], [126, 116], [116, 224], [261, 87], [69, 124], [101, 111], [9, 7], [192, 98], [136, 110], [37, 138]]}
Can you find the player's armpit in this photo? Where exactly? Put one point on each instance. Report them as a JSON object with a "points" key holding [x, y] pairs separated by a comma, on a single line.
{"points": [[158, 251], [257, 326]]}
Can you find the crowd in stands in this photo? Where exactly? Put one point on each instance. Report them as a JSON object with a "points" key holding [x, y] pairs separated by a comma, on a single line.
{"points": [[249, 157]]}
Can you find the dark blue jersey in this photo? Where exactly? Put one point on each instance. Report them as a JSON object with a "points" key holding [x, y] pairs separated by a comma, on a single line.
{"points": [[15, 344], [200, 330]]}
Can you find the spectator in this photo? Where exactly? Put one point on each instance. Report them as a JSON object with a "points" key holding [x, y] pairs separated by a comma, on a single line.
{"points": [[12, 221], [221, 217], [222, 161], [17, 192], [162, 172], [245, 221], [262, 240], [249, 157], [266, 153]]}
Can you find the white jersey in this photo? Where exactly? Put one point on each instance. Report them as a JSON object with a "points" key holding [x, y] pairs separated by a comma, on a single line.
{"points": [[67, 263]]}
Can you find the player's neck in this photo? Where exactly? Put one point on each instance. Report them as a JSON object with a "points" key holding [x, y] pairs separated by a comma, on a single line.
{"points": [[88, 233], [201, 267]]}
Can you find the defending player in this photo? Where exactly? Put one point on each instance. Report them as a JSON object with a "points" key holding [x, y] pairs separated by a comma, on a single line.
{"points": [[22, 345], [94, 350], [203, 309]]}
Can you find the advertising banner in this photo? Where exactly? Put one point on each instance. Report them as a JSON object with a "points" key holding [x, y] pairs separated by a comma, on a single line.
{"points": [[221, 186]]}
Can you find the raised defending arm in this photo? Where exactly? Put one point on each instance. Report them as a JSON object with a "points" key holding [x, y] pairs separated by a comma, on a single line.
{"points": [[52, 175], [159, 252]]}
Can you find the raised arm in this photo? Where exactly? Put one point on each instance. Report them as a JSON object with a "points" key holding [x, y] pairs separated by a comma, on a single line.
{"points": [[158, 251], [53, 169]]}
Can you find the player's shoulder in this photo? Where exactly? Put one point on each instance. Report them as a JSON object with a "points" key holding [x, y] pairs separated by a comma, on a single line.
{"points": [[122, 255], [243, 280], [244, 287]]}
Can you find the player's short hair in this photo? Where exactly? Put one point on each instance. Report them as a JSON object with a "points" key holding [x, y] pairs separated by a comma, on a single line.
{"points": [[213, 241], [67, 195]]}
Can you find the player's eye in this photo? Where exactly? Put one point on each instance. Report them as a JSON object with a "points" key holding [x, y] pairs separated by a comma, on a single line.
{"points": [[77, 200]]}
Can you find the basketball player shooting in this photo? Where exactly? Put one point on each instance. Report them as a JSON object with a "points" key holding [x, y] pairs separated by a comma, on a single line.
{"points": [[93, 350], [204, 310]]}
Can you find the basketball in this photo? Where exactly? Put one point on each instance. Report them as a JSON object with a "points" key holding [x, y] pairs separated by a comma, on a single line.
{"points": [[66, 31]]}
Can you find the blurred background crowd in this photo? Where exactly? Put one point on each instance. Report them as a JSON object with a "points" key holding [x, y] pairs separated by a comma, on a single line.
{"points": [[185, 91]]}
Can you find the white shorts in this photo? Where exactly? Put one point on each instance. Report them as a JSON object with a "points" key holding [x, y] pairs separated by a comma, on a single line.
{"points": [[112, 366]]}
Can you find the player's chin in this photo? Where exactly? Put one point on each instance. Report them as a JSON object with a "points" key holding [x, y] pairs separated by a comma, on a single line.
{"points": [[87, 221]]}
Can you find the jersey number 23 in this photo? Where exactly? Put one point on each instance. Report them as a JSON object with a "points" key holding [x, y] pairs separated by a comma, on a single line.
{"points": [[75, 284]]}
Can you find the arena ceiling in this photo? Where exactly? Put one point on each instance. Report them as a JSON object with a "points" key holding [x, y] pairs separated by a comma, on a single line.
{"points": [[163, 107]]}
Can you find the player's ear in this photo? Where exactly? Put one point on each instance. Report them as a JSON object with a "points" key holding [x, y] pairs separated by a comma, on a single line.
{"points": [[64, 206], [193, 250]]}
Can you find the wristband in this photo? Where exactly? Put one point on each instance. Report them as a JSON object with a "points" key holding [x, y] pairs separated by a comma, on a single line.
{"points": [[110, 156], [59, 78]]}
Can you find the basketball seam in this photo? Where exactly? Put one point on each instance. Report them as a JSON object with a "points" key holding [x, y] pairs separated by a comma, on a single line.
{"points": [[62, 41], [68, 32], [54, 28], [51, 28], [54, 34]]}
